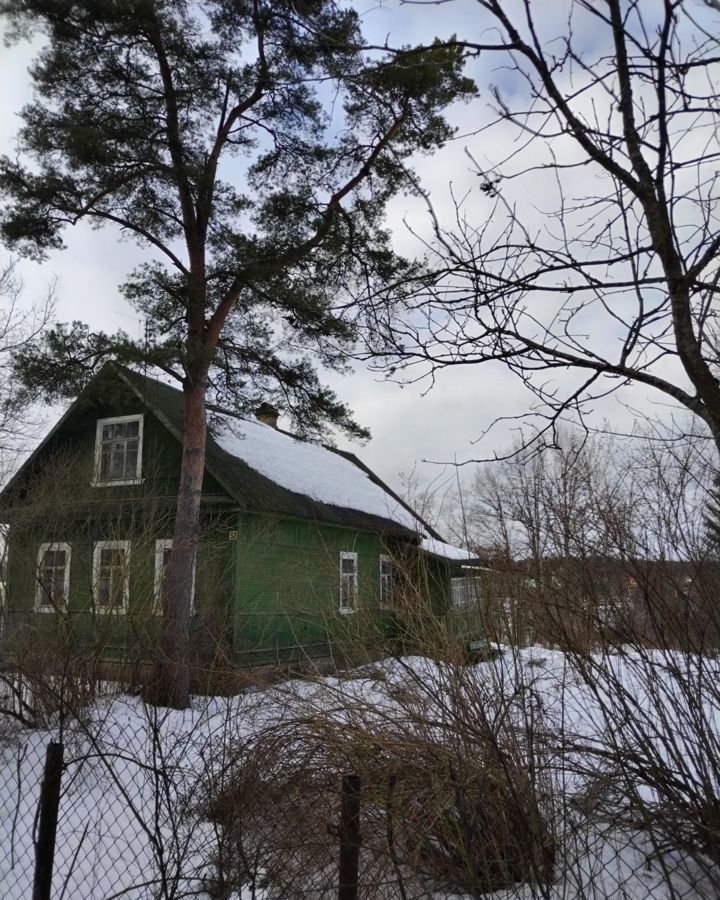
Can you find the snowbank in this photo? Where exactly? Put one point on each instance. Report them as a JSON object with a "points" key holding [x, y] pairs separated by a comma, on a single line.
{"points": [[112, 802]]}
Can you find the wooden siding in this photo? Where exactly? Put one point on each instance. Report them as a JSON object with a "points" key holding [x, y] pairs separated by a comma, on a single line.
{"points": [[267, 587], [137, 630], [287, 589]]}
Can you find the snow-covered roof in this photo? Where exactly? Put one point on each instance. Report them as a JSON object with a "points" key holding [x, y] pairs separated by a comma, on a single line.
{"points": [[446, 551], [324, 475], [261, 468], [310, 469]]}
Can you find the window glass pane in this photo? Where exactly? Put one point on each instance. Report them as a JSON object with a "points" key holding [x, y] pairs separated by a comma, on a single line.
{"points": [[105, 459], [162, 563], [119, 451], [111, 577], [131, 454], [347, 593], [102, 596], [52, 578], [348, 581], [117, 592]]}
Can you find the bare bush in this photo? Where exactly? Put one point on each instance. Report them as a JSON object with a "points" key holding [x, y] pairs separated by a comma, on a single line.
{"points": [[456, 793], [632, 603]]}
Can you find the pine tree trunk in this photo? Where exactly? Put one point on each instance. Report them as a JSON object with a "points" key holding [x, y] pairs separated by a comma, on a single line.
{"points": [[173, 669]]}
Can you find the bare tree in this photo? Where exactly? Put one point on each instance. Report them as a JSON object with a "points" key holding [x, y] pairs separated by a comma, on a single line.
{"points": [[539, 506], [433, 498], [599, 532], [19, 326], [587, 257]]}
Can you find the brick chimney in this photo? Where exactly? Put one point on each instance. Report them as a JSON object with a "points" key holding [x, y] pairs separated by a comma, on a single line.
{"points": [[267, 414]]}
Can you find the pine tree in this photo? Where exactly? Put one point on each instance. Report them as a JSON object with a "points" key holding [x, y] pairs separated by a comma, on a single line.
{"points": [[251, 146]]}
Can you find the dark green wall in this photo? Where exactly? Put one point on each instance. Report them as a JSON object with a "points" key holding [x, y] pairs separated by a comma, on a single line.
{"points": [[139, 628], [62, 474], [287, 589], [56, 502], [267, 589]]}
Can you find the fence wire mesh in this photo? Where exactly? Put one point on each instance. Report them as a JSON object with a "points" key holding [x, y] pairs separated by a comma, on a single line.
{"points": [[462, 789]]}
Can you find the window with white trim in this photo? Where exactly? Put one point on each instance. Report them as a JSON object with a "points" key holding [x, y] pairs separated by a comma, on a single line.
{"points": [[466, 591], [348, 581], [111, 576], [386, 581], [163, 548], [53, 577], [118, 450]]}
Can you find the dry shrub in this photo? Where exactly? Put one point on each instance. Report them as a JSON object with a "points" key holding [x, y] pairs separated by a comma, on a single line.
{"points": [[657, 756], [47, 676], [477, 828], [270, 815], [449, 802]]}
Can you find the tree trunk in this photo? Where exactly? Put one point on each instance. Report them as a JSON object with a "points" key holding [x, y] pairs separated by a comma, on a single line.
{"points": [[173, 668]]}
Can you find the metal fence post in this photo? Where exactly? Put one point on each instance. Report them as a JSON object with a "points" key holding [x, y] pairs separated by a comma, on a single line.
{"points": [[47, 823], [350, 839]]}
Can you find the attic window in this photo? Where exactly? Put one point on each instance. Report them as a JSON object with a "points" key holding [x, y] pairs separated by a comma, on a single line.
{"points": [[118, 450], [348, 581]]}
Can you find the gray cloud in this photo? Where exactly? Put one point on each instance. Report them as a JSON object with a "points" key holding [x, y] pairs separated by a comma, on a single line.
{"points": [[407, 424]]}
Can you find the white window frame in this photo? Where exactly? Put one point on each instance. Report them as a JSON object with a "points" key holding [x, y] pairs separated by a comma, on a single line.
{"points": [[466, 591], [111, 545], [345, 555], [43, 549], [161, 545], [114, 420], [386, 602]]}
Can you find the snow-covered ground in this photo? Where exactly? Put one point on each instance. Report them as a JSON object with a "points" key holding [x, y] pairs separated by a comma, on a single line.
{"points": [[133, 780]]}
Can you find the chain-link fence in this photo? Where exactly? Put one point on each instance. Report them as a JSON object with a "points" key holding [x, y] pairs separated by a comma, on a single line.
{"points": [[403, 778]]}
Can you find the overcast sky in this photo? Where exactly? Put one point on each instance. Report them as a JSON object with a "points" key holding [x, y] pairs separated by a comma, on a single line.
{"points": [[411, 423]]}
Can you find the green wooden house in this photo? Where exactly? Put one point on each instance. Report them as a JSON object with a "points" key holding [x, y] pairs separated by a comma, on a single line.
{"points": [[303, 549]]}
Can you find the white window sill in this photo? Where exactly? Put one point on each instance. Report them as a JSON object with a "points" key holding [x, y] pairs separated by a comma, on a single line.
{"points": [[96, 483], [118, 611], [48, 609], [347, 610]]}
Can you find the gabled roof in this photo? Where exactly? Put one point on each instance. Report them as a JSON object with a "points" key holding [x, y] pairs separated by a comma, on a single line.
{"points": [[268, 470], [265, 469]]}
